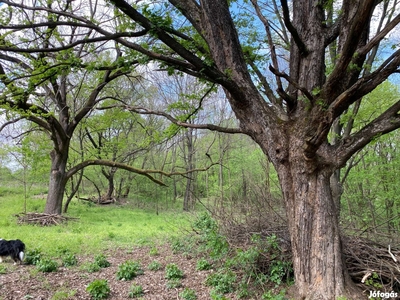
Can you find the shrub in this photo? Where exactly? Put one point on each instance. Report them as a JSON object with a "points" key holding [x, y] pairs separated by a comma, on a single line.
{"points": [[129, 270], [279, 267], [203, 264], [215, 244], [101, 261], [223, 282], [135, 291], [98, 289], [188, 294], [32, 257], [47, 265], [173, 272]]}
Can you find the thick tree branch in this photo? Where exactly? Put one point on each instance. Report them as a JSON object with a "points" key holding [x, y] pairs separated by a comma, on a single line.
{"points": [[296, 37], [347, 54], [365, 85], [385, 123], [191, 10], [161, 34]]}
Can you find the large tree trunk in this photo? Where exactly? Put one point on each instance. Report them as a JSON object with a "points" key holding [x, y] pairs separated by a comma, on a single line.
{"points": [[57, 183], [315, 236]]}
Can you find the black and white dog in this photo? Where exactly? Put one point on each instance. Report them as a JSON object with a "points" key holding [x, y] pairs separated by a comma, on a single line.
{"points": [[13, 248]]}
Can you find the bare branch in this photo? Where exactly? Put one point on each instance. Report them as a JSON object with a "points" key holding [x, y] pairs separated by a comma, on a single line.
{"points": [[264, 20], [114, 164], [380, 36], [146, 111], [146, 173]]}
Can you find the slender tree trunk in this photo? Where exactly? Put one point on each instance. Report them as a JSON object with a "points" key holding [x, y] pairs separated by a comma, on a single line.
{"points": [[110, 179], [188, 201], [74, 190], [57, 182]]}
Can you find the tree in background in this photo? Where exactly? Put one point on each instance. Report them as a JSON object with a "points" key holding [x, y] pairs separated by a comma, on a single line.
{"points": [[55, 91], [288, 108]]}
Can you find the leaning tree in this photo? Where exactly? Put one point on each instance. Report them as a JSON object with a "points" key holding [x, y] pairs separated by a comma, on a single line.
{"points": [[290, 71]]}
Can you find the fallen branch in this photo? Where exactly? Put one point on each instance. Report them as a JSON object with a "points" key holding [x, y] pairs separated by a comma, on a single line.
{"points": [[42, 219]]}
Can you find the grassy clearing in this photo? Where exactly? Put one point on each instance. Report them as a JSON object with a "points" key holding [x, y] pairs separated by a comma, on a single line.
{"points": [[98, 227]]}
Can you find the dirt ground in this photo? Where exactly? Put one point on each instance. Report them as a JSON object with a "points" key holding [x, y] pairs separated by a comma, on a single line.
{"points": [[26, 282]]}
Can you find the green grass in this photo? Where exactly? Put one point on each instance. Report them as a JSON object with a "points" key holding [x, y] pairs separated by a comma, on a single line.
{"points": [[98, 227]]}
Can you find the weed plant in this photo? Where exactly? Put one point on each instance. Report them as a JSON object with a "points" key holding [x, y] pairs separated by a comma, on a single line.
{"points": [[101, 261], [154, 266], [251, 262], [47, 265], [173, 275], [188, 294], [203, 264], [91, 267], [135, 291], [3, 269], [64, 294], [222, 281], [69, 260], [271, 296], [174, 283], [153, 251], [129, 270], [33, 257], [98, 289], [172, 271], [213, 242]]}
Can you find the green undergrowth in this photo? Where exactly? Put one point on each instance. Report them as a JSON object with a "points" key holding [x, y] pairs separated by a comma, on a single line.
{"points": [[257, 270], [96, 228]]}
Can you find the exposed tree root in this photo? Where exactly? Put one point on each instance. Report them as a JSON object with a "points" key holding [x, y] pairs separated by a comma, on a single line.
{"points": [[42, 219]]}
